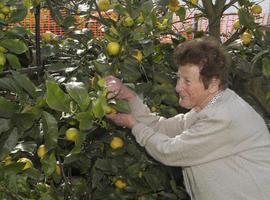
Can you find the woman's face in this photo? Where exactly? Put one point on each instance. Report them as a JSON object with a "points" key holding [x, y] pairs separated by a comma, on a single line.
{"points": [[192, 93]]}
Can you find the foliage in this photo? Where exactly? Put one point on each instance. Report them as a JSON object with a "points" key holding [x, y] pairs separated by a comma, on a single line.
{"points": [[68, 91]]}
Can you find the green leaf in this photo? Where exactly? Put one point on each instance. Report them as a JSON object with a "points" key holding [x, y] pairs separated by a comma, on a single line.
{"points": [[49, 164], [118, 8], [7, 108], [102, 68], [152, 180], [23, 121], [17, 31], [4, 125], [14, 45], [8, 84], [147, 6], [86, 120], [69, 21], [122, 106], [181, 13], [78, 143], [130, 70], [259, 55], [13, 61], [246, 19], [56, 98], [78, 91], [98, 107], [58, 66], [133, 170], [50, 128], [105, 165], [18, 15], [8, 141], [23, 81], [27, 3], [266, 67]]}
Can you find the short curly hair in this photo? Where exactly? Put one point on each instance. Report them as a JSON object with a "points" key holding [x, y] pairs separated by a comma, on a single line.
{"points": [[208, 54]]}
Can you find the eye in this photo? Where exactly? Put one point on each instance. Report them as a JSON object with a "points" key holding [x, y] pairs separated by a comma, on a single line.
{"points": [[188, 82]]}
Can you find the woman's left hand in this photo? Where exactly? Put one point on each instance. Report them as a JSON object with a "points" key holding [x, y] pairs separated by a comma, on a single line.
{"points": [[122, 119]]}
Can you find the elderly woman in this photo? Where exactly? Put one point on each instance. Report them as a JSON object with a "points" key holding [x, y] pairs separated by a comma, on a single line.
{"points": [[222, 143]]}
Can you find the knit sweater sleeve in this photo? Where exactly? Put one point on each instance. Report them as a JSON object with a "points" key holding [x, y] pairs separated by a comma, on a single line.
{"points": [[168, 126], [207, 139]]}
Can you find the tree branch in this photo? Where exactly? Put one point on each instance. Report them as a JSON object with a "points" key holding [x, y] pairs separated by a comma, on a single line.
{"points": [[209, 8], [234, 36], [228, 5]]}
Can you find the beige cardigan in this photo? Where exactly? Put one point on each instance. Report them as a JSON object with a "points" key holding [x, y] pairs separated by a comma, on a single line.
{"points": [[224, 149]]}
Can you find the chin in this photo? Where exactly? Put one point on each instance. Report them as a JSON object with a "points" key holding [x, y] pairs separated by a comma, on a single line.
{"points": [[185, 105]]}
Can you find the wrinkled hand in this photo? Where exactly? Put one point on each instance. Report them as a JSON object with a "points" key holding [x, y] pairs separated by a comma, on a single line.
{"points": [[117, 89], [122, 119]]}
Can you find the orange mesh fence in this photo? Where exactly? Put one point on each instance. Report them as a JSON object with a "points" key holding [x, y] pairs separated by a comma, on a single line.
{"points": [[226, 25], [227, 20]]}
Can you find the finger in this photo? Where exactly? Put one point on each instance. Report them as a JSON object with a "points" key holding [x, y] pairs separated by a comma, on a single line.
{"points": [[111, 116]]}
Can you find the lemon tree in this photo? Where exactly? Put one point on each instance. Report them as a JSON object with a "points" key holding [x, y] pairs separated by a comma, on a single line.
{"points": [[55, 141]]}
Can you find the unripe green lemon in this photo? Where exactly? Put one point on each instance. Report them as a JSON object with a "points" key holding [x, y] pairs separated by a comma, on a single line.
{"points": [[128, 21], [236, 24], [72, 134]]}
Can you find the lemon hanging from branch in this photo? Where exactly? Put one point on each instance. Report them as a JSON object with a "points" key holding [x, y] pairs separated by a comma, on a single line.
{"points": [[113, 48], [174, 5], [103, 5], [117, 143]]}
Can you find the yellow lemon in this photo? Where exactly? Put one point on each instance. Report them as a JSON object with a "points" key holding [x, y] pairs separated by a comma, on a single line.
{"points": [[72, 134], [103, 5], [113, 48], [194, 2], [7, 160], [47, 36], [174, 5], [41, 151], [117, 143], [236, 24], [138, 55], [246, 38], [27, 163], [140, 19], [58, 169], [109, 110], [256, 9], [120, 184], [128, 21]]}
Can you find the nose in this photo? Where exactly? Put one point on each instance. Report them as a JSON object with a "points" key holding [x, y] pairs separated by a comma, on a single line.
{"points": [[179, 86]]}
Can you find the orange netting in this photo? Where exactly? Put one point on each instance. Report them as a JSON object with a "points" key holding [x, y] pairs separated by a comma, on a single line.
{"points": [[48, 24]]}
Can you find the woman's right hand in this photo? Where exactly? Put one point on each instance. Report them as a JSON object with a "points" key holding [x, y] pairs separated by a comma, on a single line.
{"points": [[116, 89]]}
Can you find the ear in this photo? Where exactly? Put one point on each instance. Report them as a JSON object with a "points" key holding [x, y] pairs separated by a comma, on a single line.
{"points": [[214, 85]]}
